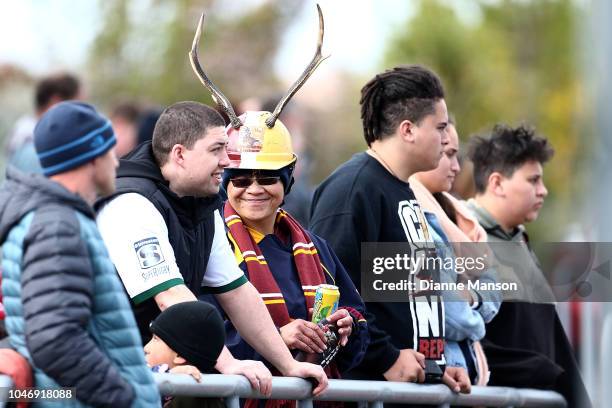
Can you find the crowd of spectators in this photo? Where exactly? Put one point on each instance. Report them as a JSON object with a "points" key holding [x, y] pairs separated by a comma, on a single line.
{"points": [[159, 240]]}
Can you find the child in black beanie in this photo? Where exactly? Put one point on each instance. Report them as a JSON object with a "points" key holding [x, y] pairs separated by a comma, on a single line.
{"points": [[187, 339]]}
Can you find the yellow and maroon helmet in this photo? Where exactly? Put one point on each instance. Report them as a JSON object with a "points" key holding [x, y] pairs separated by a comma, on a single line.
{"points": [[257, 140], [255, 146]]}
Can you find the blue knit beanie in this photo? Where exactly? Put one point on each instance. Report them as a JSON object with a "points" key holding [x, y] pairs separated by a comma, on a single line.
{"points": [[71, 134]]}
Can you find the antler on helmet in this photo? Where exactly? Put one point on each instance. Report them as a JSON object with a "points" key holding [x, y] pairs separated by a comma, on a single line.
{"points": [[217, 96], [224, 103], [316, 60]]}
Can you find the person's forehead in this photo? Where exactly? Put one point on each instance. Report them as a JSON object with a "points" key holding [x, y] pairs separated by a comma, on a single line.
{"points": [[440, 106], [216, 132], [453, 136], [160, 341], [530, 168], [214, 135], [440, 113]]}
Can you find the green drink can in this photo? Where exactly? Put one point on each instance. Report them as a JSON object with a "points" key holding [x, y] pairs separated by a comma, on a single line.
{"points": [[326, 302]]}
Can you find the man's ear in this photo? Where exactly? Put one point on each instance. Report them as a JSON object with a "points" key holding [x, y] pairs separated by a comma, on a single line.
{"points": [[177, 154], [178, 360], [495, 184], [407, 131]]}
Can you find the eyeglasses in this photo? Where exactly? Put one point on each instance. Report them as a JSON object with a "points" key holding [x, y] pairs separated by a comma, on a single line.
{"points": [[244, 182]]}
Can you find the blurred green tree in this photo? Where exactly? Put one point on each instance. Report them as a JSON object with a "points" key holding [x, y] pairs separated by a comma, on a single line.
{"points": [[141, 51]]}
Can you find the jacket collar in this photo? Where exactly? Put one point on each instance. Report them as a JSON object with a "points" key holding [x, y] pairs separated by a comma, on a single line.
{"points": [[25, 192], [491, 225], [140, 163]]}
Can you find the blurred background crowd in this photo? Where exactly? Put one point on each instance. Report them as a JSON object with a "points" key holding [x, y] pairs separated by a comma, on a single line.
{"points": [[542, 62]]}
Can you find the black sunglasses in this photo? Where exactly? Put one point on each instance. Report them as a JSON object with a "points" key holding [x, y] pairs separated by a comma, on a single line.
{"points": [[244, 182]]}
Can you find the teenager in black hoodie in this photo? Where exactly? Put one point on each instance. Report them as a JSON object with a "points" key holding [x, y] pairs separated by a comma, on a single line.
{"points": [[368, 199]]}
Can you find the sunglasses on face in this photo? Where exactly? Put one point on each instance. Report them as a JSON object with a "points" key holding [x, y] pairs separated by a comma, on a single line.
{"points": [[244, 182]]}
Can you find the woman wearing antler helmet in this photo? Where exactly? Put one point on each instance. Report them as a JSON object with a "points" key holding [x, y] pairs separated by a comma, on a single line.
{"points": [[281, 259]]}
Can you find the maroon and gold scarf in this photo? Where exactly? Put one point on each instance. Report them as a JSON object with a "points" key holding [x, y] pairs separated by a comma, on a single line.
{"points": [[305, 255], [308, 264]]}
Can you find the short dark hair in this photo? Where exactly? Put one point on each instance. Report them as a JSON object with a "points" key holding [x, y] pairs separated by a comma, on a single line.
{"points": [[404, 92], [182, 123], [65, 86], [504, 151]]}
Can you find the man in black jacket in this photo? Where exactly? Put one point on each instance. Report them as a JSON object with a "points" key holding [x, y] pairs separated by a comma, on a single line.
{"points": [[368, 199], [167, 238]]}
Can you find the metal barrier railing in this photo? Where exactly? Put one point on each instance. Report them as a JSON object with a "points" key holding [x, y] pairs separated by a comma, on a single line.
{"points": [[374, 393]]}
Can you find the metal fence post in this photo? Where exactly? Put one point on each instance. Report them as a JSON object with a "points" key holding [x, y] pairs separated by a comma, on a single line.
{"points": [[305, 403], [605, 396], [232, 402], [598, 36]]}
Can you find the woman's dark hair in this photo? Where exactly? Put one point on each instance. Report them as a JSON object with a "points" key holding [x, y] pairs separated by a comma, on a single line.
{"points": [[447, 206], [405, 92]]}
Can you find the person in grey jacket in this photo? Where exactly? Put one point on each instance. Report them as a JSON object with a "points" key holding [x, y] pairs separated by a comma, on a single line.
{"points": [[66, 311], [526, 345]]}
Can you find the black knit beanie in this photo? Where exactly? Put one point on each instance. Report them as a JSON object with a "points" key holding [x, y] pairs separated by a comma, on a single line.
{"points": [[194, 330]]}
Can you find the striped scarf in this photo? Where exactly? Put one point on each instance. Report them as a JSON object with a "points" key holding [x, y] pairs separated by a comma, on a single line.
{"points": [[309, 268], [305, 255]]}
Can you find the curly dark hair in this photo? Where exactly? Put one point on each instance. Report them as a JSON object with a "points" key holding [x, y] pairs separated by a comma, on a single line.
{"points": [[404, 92], [505, 150]]}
